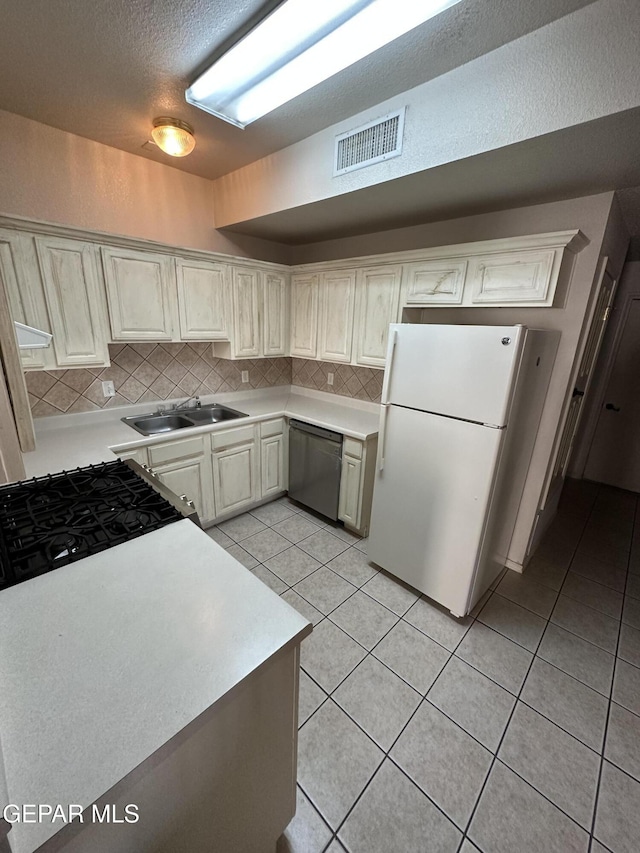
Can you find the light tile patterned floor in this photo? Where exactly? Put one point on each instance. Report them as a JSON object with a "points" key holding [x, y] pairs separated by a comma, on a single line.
{"points": [[515, 730]]}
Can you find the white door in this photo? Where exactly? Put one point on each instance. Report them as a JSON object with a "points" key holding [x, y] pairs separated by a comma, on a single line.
{"points": [[304, 316], [202, 300], [598, 323], [246, 319], [614, 457], [461, 371], [141, 293], [74, 301], [22, 280], [337, 295], [430, 502], [274, 315], [236, 472], [377, 296]]}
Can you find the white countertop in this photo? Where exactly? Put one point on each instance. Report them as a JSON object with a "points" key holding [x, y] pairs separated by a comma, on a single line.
{"points": [[64, 442], [104, 660]]}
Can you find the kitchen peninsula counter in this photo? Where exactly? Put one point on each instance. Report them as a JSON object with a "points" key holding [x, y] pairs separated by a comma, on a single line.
{"points": [[110, 665], [64, 442]]}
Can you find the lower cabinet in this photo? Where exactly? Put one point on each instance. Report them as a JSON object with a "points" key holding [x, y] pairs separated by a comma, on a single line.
{"points": [[226, 471], [273, 457], [184, 466], [356, 483], [236, 468]]}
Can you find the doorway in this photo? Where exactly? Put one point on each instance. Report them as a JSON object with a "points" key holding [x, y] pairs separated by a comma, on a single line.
{"points": [[614, 455]]}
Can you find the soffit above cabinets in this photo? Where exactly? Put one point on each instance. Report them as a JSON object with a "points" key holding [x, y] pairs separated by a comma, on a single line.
{"points": [[103, 71]]}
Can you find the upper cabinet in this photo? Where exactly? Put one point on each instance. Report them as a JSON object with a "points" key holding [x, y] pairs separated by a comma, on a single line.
{"points": [[260, 323], [304, 316], [377, 305], [246, 312], [438, 282], [141, 291], [203, 294], [275, 315], [513, 277], [337, 299], [338, 311], [522, 271], [74, 301], [21, 275]]}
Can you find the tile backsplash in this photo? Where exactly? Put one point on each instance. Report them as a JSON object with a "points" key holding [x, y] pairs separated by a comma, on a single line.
{"points": [[363, 383], [149, 371], [153, 372]]}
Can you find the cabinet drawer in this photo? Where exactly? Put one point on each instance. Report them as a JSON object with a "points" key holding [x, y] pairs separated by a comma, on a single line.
{"points": [[351, 447], [179, 449], [229, 438], [274, 427]]}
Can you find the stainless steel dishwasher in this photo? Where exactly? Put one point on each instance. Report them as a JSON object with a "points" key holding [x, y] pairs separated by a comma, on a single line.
{"points": [[315, 462]]}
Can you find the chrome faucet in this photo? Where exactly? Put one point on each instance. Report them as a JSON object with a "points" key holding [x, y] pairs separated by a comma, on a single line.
{"points": [[185, 404]]}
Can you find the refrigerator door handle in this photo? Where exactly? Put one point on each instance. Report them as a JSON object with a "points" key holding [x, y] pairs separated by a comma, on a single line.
{"points": [[393, 339], [382, 434]]}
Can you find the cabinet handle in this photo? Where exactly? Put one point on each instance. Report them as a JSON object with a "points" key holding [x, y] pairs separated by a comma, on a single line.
{"points": [[612, 408], [387, 373], [382, 434]]}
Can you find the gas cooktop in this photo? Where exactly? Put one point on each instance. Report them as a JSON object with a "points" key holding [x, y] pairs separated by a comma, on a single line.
{"points": [[50, 521]]}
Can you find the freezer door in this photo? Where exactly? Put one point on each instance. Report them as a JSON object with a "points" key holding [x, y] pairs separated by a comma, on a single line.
{"points": [[461, 371], [430, 502]]}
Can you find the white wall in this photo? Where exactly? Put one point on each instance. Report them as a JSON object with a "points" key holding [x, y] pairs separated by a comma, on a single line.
{"points": [[54, 176], [574, 70]]}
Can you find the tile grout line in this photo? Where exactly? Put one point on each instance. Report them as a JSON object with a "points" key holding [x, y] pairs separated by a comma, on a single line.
{"points": [[506, 728], [610, 702], [424, 696]]}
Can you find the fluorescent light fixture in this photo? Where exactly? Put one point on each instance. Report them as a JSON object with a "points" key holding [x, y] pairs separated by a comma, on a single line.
{"points": [[299, 45]]}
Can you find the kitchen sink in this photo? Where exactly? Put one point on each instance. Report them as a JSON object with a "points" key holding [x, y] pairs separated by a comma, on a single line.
{"points": [[213, 414], [158, 422]]}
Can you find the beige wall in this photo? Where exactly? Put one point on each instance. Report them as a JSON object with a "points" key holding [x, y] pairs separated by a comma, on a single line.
{"points": [[54, 176]]}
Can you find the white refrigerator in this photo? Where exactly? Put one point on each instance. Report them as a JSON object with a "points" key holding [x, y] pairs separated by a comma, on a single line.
{"points": [[460, 411]]}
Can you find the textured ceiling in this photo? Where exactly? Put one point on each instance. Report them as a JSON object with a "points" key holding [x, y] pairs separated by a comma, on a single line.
{"points": [[104, 69]]}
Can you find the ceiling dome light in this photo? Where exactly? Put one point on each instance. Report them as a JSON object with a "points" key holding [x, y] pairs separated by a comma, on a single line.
{"points": [[173, 136]]}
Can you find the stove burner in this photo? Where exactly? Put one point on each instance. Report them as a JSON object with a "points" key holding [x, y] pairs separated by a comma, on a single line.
{"points": [[64, 545], [50, 521], [125, 522]]}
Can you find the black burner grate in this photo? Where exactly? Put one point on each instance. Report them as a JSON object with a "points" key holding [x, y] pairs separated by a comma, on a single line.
{"points": [[50, 521]]}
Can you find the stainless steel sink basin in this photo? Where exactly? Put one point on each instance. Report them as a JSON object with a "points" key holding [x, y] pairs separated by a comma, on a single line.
{"points": [[213, 414], [155, 423], [152, 424]]}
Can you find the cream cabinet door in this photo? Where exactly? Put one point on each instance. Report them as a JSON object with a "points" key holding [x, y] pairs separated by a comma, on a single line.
{"points": [[304, 316], [141, 294], [202, 300], [74, 301], [377, 298], [21, 275], [350, 499], [435, 282], [518, 277], [274, 315], [246, 315], [236, 471], [337, 295], [184, 466], [273, 457]]}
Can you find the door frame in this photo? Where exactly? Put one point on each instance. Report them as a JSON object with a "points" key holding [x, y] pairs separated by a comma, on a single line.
{"points": [[608, 355]]}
